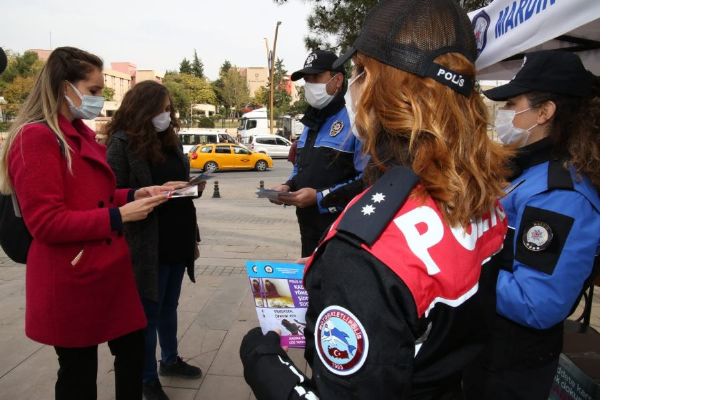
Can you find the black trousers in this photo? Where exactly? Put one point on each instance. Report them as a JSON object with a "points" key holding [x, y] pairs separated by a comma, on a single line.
{"points": [[313, 226], [76, 379], [481, 382]]}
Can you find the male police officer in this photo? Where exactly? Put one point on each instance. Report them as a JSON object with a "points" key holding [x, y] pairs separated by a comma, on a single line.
{"points": [[329, 161]]}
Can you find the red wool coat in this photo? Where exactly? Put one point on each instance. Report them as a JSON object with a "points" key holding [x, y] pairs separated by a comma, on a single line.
{"points": [[67, 213]]}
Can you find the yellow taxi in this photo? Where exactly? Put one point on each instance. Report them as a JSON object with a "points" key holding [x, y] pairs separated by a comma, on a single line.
{"points": [[225, 156]]}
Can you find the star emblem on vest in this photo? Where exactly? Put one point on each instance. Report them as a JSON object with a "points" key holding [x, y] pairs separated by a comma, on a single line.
{"points": [[336, 128], [378, 197], [368, 209]]}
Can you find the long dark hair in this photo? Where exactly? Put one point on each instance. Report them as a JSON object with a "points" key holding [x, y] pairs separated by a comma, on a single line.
{"points": [[135, 115], [574, 131], [46, 98]]}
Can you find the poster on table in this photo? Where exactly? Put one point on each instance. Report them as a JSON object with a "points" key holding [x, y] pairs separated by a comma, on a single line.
{"points": [[280, 299]]}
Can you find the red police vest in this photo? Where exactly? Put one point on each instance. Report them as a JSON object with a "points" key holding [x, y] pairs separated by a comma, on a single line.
{"points": [[439, 264]]}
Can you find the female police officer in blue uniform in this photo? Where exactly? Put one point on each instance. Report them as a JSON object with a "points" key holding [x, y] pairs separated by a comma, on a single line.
{"points": [[551, 114]]}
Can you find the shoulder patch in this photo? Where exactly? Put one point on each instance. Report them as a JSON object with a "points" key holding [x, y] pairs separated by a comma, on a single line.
{"points": [[542, 235], [341, 340], [336, 128], [370, 215], [558, 176]]}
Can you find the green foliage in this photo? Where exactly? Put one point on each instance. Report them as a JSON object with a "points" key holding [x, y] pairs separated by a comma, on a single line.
{"points": [[300, 106], [198, 68], [25, 65], [335, 24], [232, 90], [16, 92], [226, 66], [108, 93], [186, 90], [205, 122], [185, 66], [282, 99]]}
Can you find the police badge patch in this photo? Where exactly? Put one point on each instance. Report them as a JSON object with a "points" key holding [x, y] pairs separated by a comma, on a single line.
{"points": [[538, 236], [341, 341], [336, 128], [309, 61]]}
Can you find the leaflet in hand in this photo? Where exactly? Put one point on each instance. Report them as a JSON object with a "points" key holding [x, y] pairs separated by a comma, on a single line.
{"points": [[187, 191], [280, 299], [268, 194]]}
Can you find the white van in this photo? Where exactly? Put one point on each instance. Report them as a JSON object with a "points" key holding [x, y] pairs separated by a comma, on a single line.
{"points": [[254, 123], [190, 138], [274, 146]]}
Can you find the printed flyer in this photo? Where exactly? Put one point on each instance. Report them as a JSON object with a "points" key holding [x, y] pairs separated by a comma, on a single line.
{"points": [[280, 299]]}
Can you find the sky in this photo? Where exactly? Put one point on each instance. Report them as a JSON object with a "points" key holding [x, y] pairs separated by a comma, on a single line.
{"points": [[158, 34]]}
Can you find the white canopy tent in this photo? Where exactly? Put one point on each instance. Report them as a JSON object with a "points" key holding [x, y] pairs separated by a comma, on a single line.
{"points": [[505, 29]]}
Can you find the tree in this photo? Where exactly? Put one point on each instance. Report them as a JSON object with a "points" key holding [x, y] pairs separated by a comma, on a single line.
{"points": [[187, 90], [282, 100], [300, 106], [233, 90], [226, 66], [335, 24], [108, 93], [198, 68], [185, 66], [25, 65], [17, 91]]}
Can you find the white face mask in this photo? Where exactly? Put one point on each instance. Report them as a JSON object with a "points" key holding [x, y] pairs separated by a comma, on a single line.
{"points": [[161, 121], [351, 98], [90, 106], [317, 95], [509, 133]]}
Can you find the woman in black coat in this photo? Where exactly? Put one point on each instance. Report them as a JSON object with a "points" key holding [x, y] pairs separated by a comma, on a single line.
{"points": [[143, 146]]}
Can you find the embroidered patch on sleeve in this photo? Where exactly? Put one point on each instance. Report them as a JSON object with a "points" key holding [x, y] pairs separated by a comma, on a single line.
{"points": [[341, 341]]}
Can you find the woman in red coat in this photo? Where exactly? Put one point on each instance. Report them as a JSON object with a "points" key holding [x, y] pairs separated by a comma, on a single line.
{"points": [[80, 286]]}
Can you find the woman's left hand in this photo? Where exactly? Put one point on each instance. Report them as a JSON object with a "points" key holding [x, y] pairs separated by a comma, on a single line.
{"points": [[150, 191]]}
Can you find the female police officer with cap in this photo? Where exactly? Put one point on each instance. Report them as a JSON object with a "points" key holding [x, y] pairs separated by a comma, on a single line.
{"points": [[393, 286], [551, 114]]}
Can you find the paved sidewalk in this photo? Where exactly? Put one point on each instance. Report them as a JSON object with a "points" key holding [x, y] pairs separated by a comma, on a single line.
{"points": [[213, 314]]}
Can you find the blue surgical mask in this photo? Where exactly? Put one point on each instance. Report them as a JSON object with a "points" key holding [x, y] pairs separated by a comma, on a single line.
{"points": [[90, 106]]}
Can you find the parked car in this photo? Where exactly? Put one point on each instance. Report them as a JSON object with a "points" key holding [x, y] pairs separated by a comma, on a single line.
{"points": [[274, 146], [192, 138], [227, 156]]}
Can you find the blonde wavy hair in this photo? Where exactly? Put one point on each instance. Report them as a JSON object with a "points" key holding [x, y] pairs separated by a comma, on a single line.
{"points": [[442, 135], [45, 99]]}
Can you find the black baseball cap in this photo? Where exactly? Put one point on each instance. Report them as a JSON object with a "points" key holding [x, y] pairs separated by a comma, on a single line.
{"points": [[550, 71], [3, 60], [410, 34], [317, 62]]}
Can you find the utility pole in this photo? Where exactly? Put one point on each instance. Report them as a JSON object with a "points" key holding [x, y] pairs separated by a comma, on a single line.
{"points": [[272, 62]]}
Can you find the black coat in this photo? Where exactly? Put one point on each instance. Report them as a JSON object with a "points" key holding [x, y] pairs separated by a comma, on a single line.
{"points": [[142, 236]]}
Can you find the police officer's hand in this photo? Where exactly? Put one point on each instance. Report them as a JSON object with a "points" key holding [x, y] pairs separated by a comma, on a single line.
{"points": [[280, 188], [305, 197]]}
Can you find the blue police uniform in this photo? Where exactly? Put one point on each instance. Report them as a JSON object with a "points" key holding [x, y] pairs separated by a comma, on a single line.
{"points": [[329, 159], [536, 281]]}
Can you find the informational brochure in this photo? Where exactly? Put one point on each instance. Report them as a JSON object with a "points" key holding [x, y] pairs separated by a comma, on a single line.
{"points": [[280, 299], [268, 194], [187, 191]]}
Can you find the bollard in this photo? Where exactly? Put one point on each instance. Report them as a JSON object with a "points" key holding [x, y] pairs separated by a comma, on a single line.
{"points": [[216, 195], [261, 185]]}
